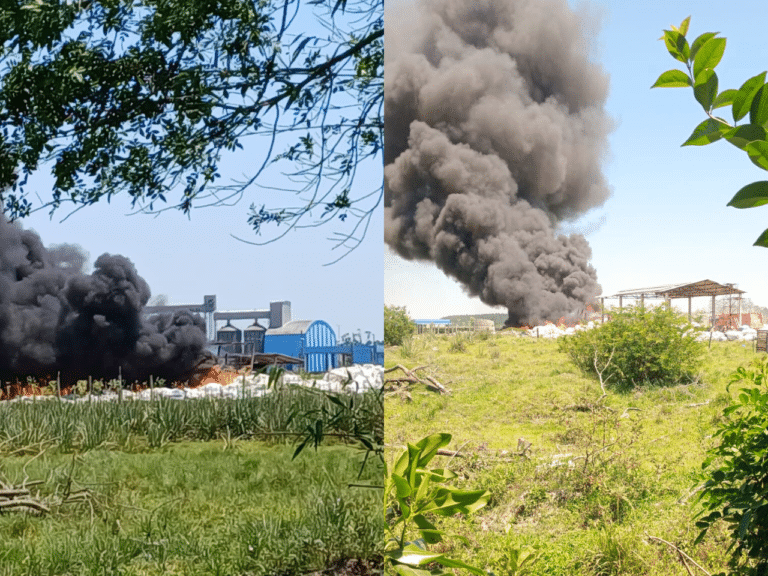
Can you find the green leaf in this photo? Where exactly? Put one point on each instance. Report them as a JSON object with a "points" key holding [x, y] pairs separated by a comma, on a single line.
{"points": [[707, 132], [684, 26], [758, 111], [709, 55], [700, 537], [700, 41], [430, 445], [403, 488], [705, 88], [451, 563], [725, 98], [402, 464], [428, 530], [677, 45], [742, 102], [744, 524], [758, 153], [762, 240], [742, 135], [755, 194], [450, 501], [414, 556], [673, 79], [404, 570]]}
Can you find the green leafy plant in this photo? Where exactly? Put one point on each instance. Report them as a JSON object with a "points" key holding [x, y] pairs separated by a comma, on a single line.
{"points": [[637, 347], [700, 58], [398, 325], [412, 494], [736, 489]]}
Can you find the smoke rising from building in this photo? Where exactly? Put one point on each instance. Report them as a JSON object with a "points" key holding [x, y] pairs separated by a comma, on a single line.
{"points": [[54, 317], [495, 132]]}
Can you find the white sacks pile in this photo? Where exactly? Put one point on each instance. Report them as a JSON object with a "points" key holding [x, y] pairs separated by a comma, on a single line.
{"points": [[552, 331], [352, 379], [744, 333]]}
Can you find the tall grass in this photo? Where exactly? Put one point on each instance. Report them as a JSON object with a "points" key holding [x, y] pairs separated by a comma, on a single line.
{"points": [[194, 509], [277, 417]]}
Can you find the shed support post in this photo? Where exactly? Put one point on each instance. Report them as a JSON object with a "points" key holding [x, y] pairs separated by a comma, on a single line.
{"points": [[620, 299], [689, 308], [713, 310], [642, 301], [602, 310]]}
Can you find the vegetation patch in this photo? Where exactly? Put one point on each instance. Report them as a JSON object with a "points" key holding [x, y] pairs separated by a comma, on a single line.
{"points": [[193, 508], [580, 480], [638, 347]]}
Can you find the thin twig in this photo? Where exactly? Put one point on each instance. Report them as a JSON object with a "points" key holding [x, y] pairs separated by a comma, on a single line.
{"points": [[682, 555]]}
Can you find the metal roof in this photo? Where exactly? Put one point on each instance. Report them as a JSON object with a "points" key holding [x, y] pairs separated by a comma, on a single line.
{"points": [[292, 327], [686, 290]]}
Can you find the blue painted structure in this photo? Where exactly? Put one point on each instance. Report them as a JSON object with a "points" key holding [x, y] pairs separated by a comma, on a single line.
{"points": [[355, 352], [315, 343], [302, 339]]}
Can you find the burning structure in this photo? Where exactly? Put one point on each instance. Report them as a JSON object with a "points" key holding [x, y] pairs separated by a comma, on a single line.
{"points": [[495, 133], [55, 318]]}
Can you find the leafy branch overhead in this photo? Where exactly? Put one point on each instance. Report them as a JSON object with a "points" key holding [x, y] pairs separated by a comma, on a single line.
{"points": [[143, 98], [750, 101]]}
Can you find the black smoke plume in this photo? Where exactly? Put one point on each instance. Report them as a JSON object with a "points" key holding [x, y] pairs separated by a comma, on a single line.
{"points": [[55, 318], [495, 133]]}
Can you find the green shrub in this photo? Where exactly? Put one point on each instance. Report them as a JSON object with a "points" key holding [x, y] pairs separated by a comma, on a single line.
{"points": [[458, 343], [638, 346], [398, 326], [736, 488]]}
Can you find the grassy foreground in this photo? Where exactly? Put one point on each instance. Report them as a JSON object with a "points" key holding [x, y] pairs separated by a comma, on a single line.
{"points": [[598, 488], [193, 508]]}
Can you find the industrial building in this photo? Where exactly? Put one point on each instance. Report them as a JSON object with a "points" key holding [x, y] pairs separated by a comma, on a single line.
{"points": [[304, 339], [313, 342]]}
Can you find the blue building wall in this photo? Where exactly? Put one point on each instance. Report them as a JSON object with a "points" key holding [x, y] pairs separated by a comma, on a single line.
{"points": [[299, 344], [315, 343], [319, 333]]}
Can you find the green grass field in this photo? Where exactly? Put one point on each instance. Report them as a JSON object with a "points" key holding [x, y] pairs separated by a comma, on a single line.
{"points": [[204, 487], [597, 485]]}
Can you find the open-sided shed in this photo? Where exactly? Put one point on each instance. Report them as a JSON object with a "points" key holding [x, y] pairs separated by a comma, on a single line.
{"points": [[672, 291]]}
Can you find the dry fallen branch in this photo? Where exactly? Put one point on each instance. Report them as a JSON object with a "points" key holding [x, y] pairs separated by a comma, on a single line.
{"points": [[25, 503], [682, 555], [410, 377], [20, 497]]}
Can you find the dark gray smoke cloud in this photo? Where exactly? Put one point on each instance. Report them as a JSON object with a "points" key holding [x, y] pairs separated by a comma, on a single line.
{"points": [[54, 317], [495, 132]]}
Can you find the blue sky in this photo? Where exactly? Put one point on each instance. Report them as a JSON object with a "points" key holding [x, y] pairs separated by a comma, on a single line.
{"points": [[185, 259], [667, 220]]}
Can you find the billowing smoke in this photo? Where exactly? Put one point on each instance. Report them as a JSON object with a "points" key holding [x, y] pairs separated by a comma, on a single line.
{"points": [[55, 318], [495, 133]]}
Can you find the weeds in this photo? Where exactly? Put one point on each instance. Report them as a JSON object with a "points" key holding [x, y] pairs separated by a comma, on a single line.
{"points": [[194, 509], [601, 470], [458, 343]]}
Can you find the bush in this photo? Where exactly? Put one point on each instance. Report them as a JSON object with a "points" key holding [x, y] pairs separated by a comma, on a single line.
{"points": [[645, 346], [398, 326], [737, 473]]}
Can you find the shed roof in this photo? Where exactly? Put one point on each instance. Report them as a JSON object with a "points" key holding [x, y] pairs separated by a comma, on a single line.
{"points": [[686, 290], [292, 327]]}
